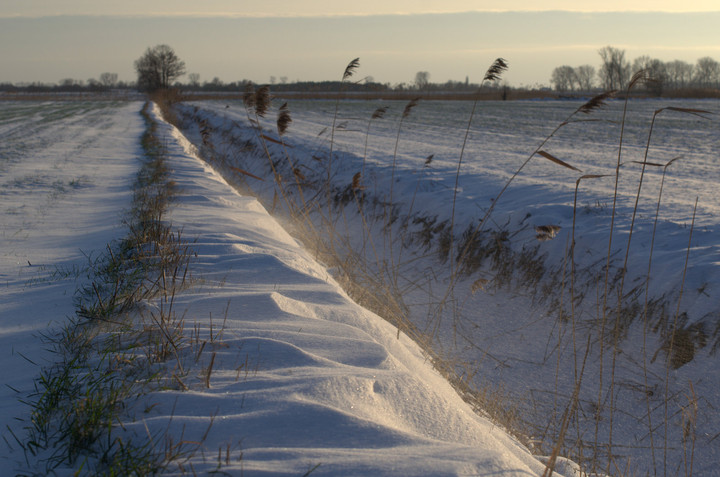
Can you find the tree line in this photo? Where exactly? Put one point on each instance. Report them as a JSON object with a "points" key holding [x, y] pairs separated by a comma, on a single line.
{"points": [[616, 70], [160, 68], [105, 82]]}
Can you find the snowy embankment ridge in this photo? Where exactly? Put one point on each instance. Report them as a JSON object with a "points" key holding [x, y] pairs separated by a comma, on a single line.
{"points": [[292, 376], [303, 376]]}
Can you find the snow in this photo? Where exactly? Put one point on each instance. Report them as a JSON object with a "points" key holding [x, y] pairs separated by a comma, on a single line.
{"points": [[301, 377], [66, 170], [330, 383], [508, 333]]}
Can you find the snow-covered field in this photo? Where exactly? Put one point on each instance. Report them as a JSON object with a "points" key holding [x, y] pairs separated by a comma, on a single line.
{"points": [[295, 377], [301, 376], [66, 171], [647, 400]]}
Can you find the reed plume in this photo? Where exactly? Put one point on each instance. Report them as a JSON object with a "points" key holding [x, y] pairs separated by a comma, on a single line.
{"points": [[597, 102], [249, 96], [409, 107], [262, 101], [496, 70], [356, 185], [284, 119], [379, 113], [350, 68]]}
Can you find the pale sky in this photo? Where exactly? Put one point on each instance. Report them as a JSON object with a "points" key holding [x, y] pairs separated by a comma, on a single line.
{"points": [[48, 40]]}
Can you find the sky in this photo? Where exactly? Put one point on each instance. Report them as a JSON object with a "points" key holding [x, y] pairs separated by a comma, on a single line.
{"points": [[50, 40]]}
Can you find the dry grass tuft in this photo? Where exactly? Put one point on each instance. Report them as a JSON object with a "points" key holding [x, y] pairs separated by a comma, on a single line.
{"points": [[546, 232]]}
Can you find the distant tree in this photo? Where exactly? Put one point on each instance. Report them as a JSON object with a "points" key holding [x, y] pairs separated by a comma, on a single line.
{"points": [[283, 80], [679, 73], [158, 67], [215, 84], [656, 71], [70, 82], [194, 80], [108, 80], [641, 63], [658, 74], [93, 84], [422, 80], [563, 78], [615, 70], [585, 76], [707, 72]]}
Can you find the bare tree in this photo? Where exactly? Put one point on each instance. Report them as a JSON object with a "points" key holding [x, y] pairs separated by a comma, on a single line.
{"points": [[69, 82], [585, 76], [563, 78], [194, 79], [108, 80], [707, 72], [422, 80], [656, 71], [641, 63], [158, 67], [679, 73], [215, 84], [615, 70]]}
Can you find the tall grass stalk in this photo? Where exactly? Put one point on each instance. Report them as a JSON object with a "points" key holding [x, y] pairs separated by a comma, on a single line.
{"points": [[637, 77], [673, 333], [379, 113], [651, 430], [349, 71], [389, 206], [491, 75]]}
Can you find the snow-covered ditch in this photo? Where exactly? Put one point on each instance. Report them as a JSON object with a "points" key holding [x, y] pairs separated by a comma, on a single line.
{"points": [[293, 378], [644, 366]]}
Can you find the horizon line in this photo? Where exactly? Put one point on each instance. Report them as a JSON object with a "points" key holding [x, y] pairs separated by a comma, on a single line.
{"points": [[261, 15]]}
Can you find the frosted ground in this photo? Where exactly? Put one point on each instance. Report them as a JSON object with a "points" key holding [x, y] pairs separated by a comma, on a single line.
{"points": [[640, 408], [302, 379]]}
